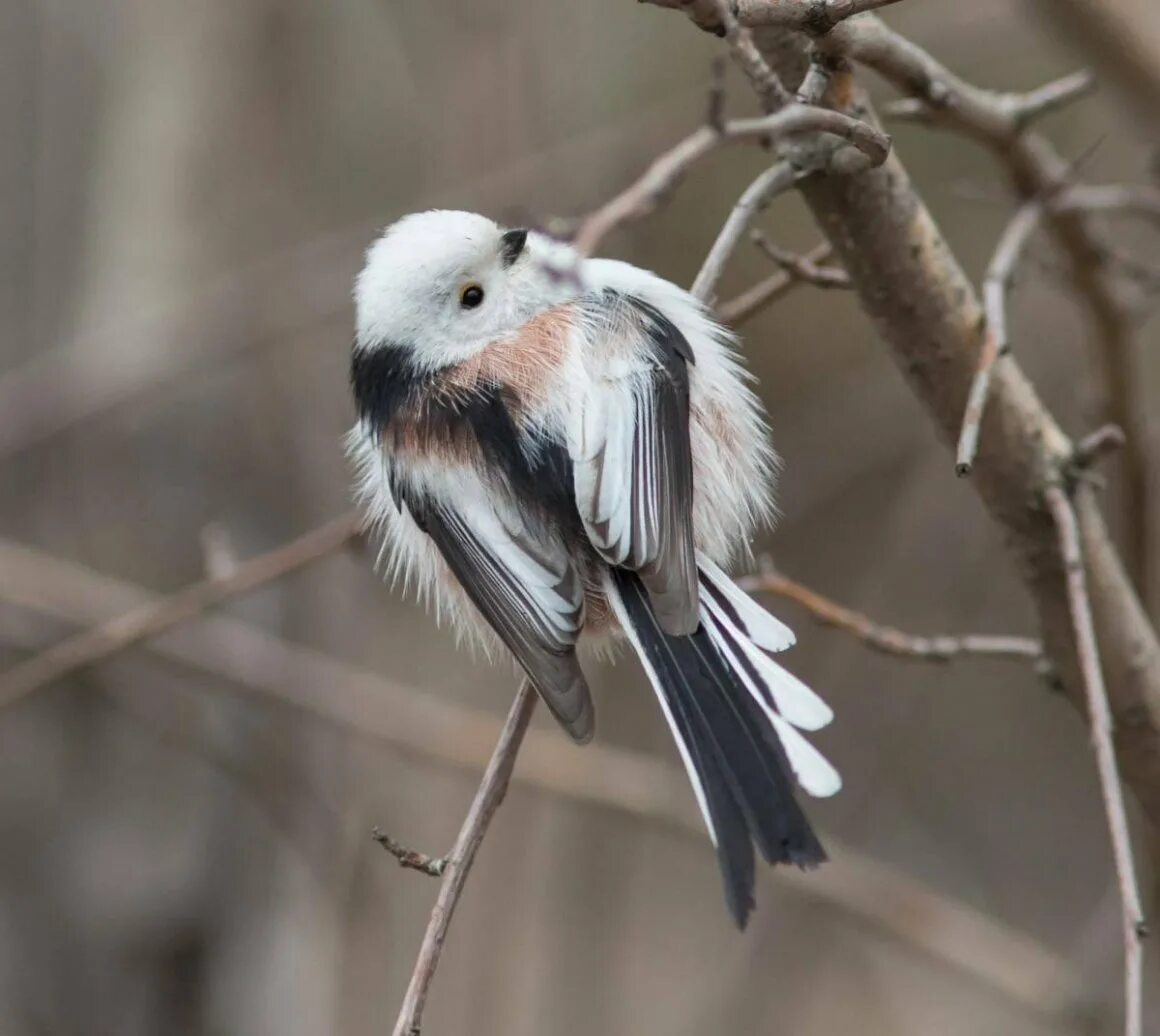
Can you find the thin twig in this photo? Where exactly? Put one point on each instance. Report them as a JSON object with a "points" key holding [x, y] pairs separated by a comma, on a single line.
{"points": [[432, 866], [765, 292], [1133, 199], [771, 94], [1017, 110], [803, 267], [488, 797], [887, 639], [643, 196], [389, 715], [813, 16], [1100, 719], [816, 81], [1000, 122], [997, 341], [773, 181], [1027, 107], [100, 642], [1097, 444]]}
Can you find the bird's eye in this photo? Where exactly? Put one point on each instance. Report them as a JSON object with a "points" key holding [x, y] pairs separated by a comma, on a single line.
{"points": [[470, 296]]}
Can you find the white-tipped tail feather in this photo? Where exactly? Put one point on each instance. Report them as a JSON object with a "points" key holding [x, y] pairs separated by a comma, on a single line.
{"points": [[734, 714]]}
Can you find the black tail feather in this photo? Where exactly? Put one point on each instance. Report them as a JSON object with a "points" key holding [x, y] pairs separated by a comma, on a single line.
{"points": [[744, 777]]}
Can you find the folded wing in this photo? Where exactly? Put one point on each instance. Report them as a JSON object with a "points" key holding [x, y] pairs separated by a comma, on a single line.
{"points": [[632, 461], [527, 589]]}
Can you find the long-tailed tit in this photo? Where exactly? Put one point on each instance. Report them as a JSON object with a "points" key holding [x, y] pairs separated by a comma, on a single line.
{"points": [[559, 450]]}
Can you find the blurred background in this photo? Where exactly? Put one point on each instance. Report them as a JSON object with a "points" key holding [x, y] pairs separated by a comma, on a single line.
{"points": [[186, 190]]}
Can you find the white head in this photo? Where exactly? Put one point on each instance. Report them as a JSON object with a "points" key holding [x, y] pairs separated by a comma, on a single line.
{"points": [[443, 284]]}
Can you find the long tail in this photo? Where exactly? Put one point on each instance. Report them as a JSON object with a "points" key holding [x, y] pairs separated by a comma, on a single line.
{"points": [[734, 713]]}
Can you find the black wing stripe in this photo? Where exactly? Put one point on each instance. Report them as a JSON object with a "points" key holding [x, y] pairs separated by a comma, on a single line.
{"points": [[544, 646]]}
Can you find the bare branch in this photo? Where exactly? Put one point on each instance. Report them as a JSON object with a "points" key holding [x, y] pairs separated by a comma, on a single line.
{"points": [[803, 267], [432, 866], [769, 89], [777, 179], [998, 112], [928, 314], [816, 81], [1126, 52], [457, 866], [766, 292], [887, 639], [999, 121], [1133, 199], [811, 16], [997, 343], [1026, 108], [1100, 719], [662, 176], [375, 709], [96, 644], [1099, 443]]}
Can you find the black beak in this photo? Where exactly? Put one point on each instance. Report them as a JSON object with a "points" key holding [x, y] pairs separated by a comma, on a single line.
{"points": [[512, 245]]}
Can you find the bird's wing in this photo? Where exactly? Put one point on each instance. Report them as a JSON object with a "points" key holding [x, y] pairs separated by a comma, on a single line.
{"points": [[631, 456], [528, 590]]}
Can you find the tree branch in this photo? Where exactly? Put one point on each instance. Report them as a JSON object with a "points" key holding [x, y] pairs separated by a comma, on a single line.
{"points": [[100, 642], [887, 639], [927, 312], [371, 707], [768, 291], [997, 342], [662, 176], [457, 866], [810, 16], [432, 866], [1100, 719], [771, 94], [804, 268], [999, 121], [777, 179]]}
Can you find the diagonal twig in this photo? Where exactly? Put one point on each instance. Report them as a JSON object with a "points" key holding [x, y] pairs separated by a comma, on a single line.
{"points": [[100, 642], [656, 183], [887, 639], [492, 789], [816, 17], [1100, 719], [804, 268], [767, 291], [997, 341], [771, 94], [1000, 122], [412, 859], [773, 181], [376, 710]]}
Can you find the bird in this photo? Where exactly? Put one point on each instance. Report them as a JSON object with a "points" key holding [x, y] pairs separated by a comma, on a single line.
{"points": [[562, 453]]}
